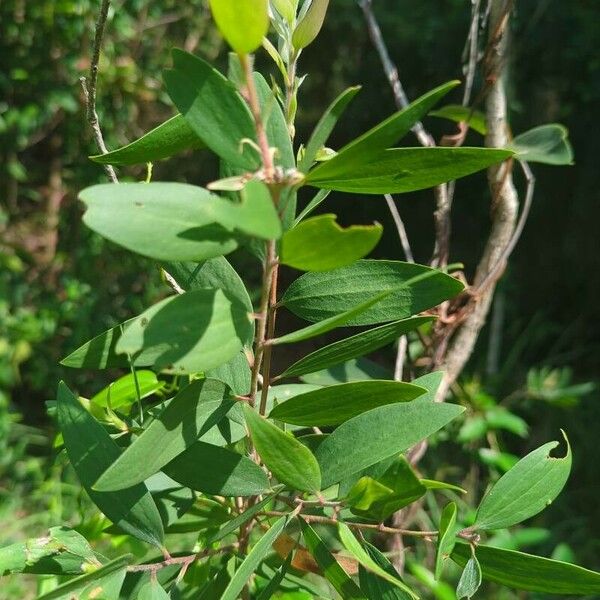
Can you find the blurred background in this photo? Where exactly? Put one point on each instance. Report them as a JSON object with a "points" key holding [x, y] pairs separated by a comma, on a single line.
{"points": [[60, 284]]}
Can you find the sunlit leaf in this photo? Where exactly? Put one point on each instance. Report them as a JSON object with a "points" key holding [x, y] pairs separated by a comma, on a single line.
{"points": [[243, 23], [309, 26], [124, 391], [458, 113], [446, 537]]}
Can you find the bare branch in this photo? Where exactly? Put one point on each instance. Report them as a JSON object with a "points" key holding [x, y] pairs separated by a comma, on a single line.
{"points": [[400, 228], [90, 87]]}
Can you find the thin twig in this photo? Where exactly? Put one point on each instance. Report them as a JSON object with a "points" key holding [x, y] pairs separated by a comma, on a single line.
{"points": [[185, 561], [400, 228], [90, 87]]}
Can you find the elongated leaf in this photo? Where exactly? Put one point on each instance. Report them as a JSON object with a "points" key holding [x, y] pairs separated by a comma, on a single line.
{"points": [[382, 136], [432, 484], [243, 23], [522, 571], [326, 325], [288, 459], [213, 273], [276, 580], [198, 412], [431, 382], [63, 551], [105, 582], [332, 571], [91, 451], [325, 126], [338, 403], [397, 428], [235, 373], [317, 296], [213, 108], [152, 591], [189, 333], [446, 537], [217, 471], [375, 587], [458, 113], [547, 144], [470, 580], [253, 560], [318, 198], [359, 369], [354, 547], [235, 523], [309, 26], [320, 244], [172, 500], [166, 140], [355, 346], [400, 170], [527, 489], [124, 391]]}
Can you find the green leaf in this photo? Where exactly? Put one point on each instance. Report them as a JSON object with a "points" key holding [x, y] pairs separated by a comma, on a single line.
{"points": [[475, 119], [177, 221], [337, 403], [318, 199], [286, 8], [432, 484], [354, 547], [91, 451], [332, 571], [546, 144], [214, 273], [199, 411], [317, 296], [105, 582], [352, 370], [188, 333], [320, 244], [431, 382], [522, 571], [63, 551], [287, 458], [253, 560], [235, 523], [331, 323], [309, 26], [377, 498], [275, 582], [400, 170], [172, 500], [213, 108], [325, 126], [354, 346], [152, 591], [527, 489], [383, 135], [243, 23], [470, 580], [375, 587], [446, 537], [212, 470], [397, 427], [169, 138], [235, 373], [123, 392]]}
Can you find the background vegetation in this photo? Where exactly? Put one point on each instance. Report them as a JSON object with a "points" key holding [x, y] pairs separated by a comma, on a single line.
{"points": [[51, 266]]}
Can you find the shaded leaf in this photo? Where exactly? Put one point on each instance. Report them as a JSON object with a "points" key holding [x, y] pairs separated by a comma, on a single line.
{"points": [[547, 144], [252, 560], [166, 140], [288, 459], [355, 548], [317, 296], [152, 591], [318, 198], [446, 537], [199, 411], [400, 170], [522, 571], [398, 427], [338, 403], [309, 26], [325, 126], [235, 373], [213, 470], [213, 108], [470, 580], [243, 23], [320, 244], [91, 451], [353, 370], [527, 489], [332, 571], [375, 587], [188, 333], [275, 581], [431, 382], [354, 346], [458, 113]]}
